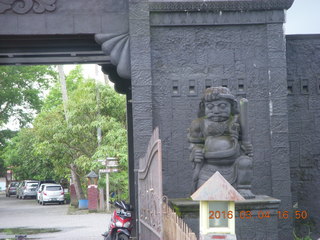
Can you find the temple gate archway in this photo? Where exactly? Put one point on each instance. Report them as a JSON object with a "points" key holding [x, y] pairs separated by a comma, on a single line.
{"points": [[175, 50]]}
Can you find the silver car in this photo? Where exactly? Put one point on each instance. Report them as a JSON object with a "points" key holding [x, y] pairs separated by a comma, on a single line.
{"points": [[27, 189]]}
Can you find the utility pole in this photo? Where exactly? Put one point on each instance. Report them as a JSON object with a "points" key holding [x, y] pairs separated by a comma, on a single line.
{"points": [[107, 192]]}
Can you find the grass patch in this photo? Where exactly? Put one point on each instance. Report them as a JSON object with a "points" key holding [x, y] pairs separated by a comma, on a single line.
{"points": [[27, 231], [72, 210]]}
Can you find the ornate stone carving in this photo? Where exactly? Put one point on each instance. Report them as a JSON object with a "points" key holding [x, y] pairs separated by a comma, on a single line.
{"points": [[219, 141], [24, 6], [117, 47], [230, 5], [121, 85]]}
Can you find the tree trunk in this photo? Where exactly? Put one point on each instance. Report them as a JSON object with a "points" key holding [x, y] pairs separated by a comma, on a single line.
{"points": [[76, 181], [63, 91], [74, 175]]}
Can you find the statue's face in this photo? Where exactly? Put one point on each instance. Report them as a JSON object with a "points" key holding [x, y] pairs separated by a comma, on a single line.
{"points": [[218, 110]]}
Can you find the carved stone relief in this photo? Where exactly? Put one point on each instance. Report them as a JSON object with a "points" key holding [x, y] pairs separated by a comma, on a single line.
{"points": [[24, 6], [117, 47]]}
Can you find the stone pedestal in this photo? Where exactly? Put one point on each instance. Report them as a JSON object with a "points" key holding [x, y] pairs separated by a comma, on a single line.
{"points": [[73, 196], [255, 218], [93, 197]]}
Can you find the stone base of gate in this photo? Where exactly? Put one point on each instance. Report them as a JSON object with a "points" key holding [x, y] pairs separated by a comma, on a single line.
{"points": [[255, 218]]}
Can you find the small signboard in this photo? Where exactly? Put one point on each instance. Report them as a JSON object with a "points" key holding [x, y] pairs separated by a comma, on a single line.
{"points": [[112, 164], [109, 170]]}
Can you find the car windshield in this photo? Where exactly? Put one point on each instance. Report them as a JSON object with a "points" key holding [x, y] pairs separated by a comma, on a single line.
{"points": [[32, 184], [53, 188], [14, 184]]}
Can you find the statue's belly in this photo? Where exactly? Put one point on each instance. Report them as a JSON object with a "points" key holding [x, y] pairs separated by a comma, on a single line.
{"points": [[222, 143], [220, 147]]}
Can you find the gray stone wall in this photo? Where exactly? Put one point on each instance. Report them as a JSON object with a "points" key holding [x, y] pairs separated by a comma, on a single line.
{"points": [[303, 61], [67, 17], [190, 52], [185, 61]]}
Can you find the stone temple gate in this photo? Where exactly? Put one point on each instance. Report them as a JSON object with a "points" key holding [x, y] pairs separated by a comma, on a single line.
{"points": [[163, 54]]}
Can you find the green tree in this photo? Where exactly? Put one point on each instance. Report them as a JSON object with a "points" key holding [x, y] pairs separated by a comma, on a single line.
{"points": [[24, 159], [4, 135], [57, 147], [75, 144], [21, 96], [21, 91], [73, 80]]}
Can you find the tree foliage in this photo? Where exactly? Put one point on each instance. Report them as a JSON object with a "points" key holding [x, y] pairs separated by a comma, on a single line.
{"points": [[54, 98], [21, 96], [53, 144], [21, 89], [22, 157]]}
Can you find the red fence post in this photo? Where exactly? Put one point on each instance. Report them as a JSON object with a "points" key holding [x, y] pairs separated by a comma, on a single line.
{"points": [[93, 197]]}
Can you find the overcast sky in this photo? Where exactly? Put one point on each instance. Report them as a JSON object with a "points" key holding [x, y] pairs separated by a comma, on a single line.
{"points": [[303, 17]]}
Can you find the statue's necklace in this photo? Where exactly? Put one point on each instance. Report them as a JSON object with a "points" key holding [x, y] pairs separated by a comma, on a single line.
{"points": [[215, 128]]}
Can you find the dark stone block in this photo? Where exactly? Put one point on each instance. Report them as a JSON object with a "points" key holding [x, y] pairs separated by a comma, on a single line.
{"points": [[120, 23], [10, 26], [31, 24], [141, 77], [65, 23], [139, 27], [87, 24]]}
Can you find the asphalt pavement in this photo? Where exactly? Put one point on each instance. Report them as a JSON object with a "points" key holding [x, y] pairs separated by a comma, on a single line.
{"points": [[16, 213]]}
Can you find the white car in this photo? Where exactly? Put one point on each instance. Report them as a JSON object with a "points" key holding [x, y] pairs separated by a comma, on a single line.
{"points": [[38, 189], [51, 193]]}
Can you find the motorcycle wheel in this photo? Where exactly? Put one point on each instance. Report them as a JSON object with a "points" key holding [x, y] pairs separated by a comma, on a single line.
{"points": [[122, 237], [107, 237]]}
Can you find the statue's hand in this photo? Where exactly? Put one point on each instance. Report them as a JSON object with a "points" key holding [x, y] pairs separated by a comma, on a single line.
{"points": [[234, 130], [198, 156], [247, 148]]}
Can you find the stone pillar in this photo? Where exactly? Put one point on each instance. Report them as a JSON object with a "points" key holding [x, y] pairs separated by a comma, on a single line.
{"points": [[279, 133], [93, 197], [141, 82], [73, 196], [236, 44]]}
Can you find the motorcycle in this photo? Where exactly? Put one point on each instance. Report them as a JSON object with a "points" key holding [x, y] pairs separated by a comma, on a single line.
{"points": [[121, 222]]}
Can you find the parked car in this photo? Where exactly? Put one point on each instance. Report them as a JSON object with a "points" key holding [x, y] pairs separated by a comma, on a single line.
{"points": [[51, 193], [12, 189], [18, 190], [27, 189], [39, 185]]}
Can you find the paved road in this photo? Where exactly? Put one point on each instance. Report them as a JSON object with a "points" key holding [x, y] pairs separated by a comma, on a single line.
{"points": [[15, 213]]}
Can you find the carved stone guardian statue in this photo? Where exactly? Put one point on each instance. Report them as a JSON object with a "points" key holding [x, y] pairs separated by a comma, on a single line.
{"points": [[219, 141]]}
